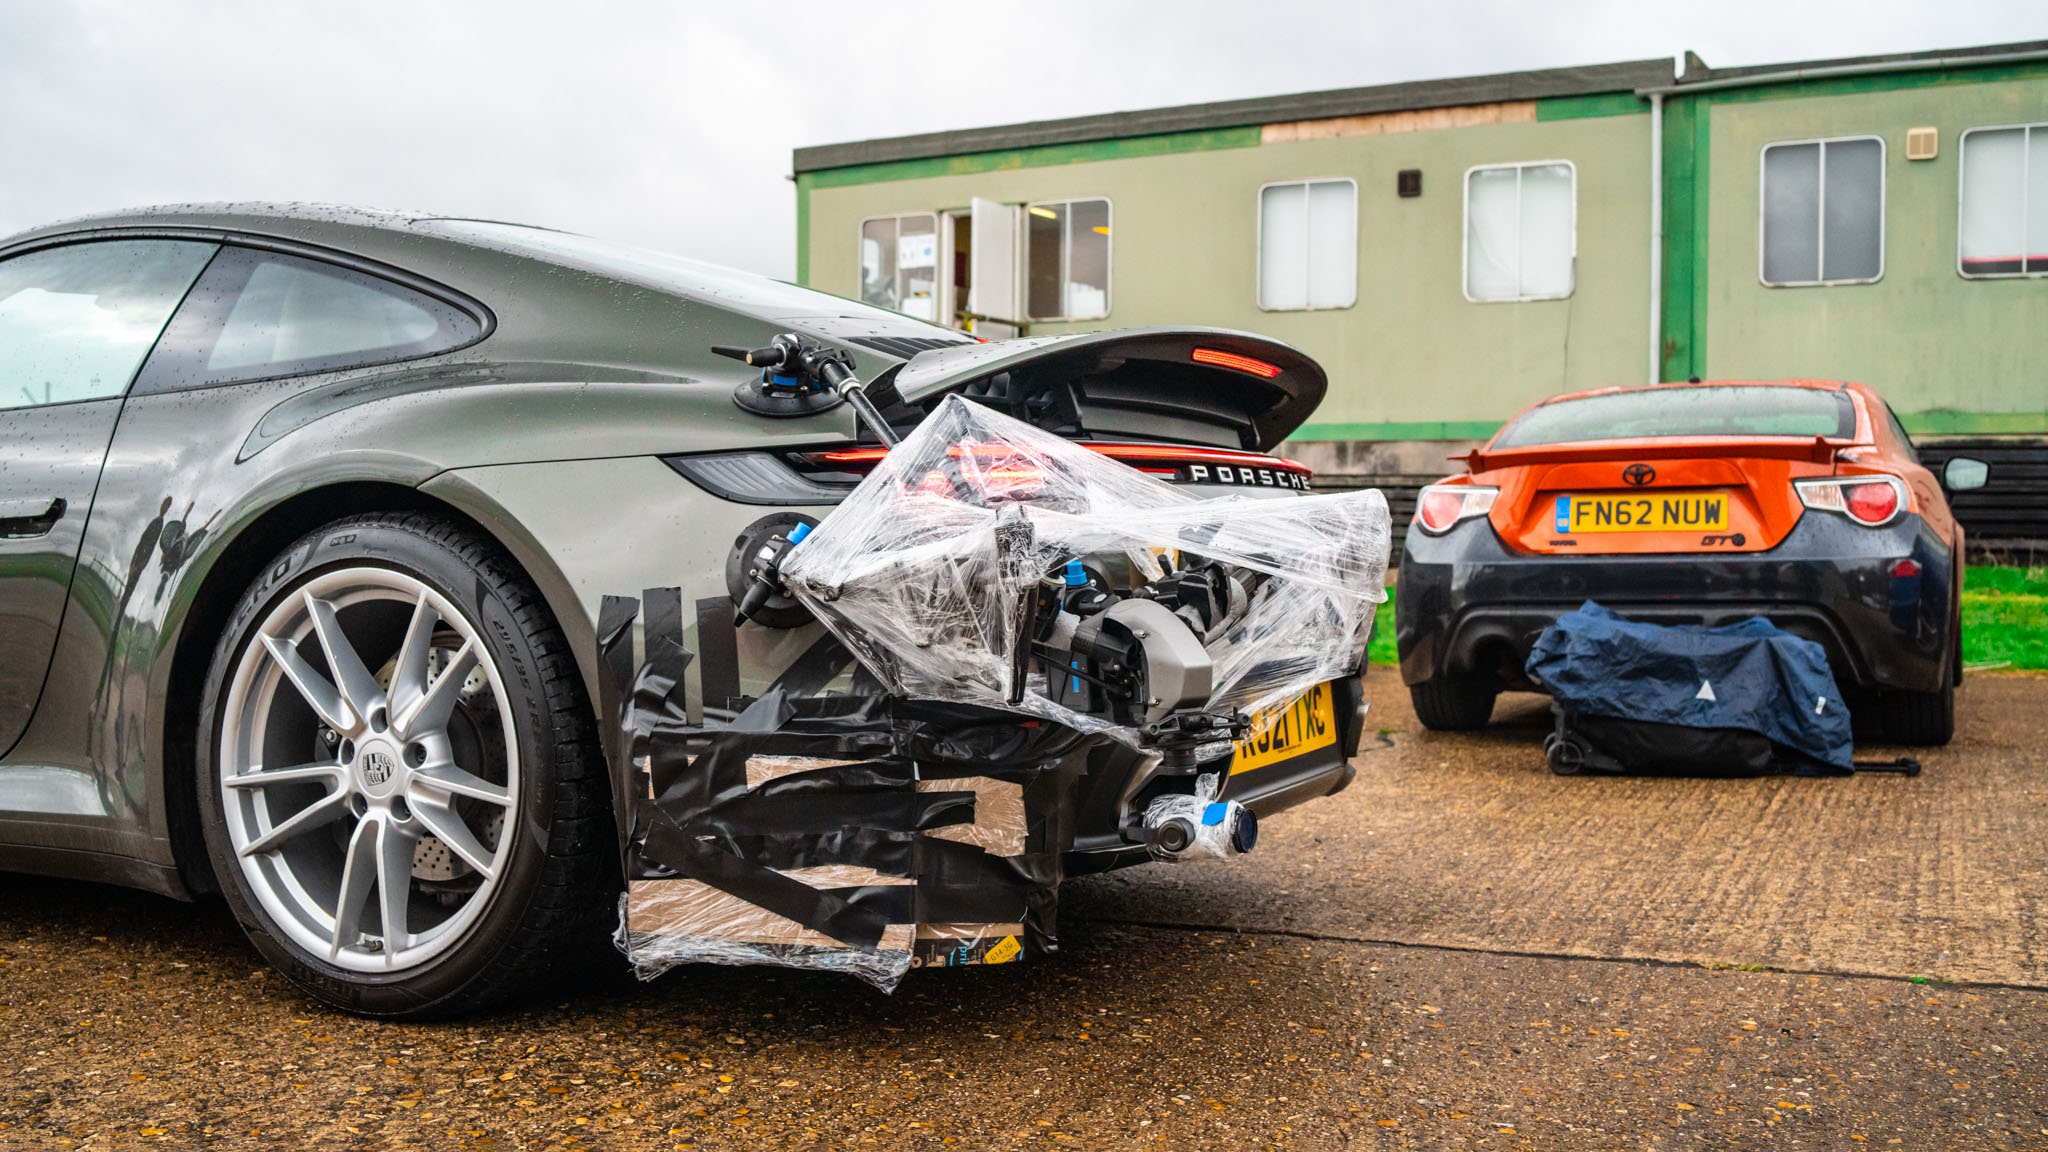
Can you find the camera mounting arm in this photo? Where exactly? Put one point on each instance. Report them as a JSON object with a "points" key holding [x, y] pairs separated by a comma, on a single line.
{"points": [[800, 376]]}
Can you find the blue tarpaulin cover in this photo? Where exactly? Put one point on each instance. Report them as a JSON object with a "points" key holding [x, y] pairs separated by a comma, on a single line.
{"points": [[1748, 675]]}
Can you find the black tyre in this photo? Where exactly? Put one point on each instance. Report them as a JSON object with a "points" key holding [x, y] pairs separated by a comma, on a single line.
{"points": [[1448, 704], [1926, 719], [399, 778]]}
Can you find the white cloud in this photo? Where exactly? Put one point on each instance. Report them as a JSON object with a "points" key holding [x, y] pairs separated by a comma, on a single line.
{"points": [[672, 124]]}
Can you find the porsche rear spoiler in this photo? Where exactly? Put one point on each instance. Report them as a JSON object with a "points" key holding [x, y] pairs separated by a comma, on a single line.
{"points": [[1818, 449], [1204, 385]]}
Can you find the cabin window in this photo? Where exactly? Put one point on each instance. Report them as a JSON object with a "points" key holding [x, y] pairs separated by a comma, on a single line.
{"points": [[1521, 225], [2002, 229], [1066, 252], [1822, 212], [899, 263], [1308, 245]]}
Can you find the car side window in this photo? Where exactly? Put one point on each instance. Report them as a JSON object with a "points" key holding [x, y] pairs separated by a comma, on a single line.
{"points": [[260, 314], [77, 320], [1899, 430]]}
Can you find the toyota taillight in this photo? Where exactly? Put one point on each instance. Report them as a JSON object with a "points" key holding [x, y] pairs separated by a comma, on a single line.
{"points": [[1873, 501], [1440, 507]]}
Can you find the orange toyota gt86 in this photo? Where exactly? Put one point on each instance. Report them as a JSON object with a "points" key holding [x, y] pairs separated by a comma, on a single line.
{"points": [[1798, 500]]}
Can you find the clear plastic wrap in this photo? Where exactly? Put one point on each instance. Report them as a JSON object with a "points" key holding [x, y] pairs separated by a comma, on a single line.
{"points": [[1216, 829], [663, 923], [928, 570], [984, 569]]}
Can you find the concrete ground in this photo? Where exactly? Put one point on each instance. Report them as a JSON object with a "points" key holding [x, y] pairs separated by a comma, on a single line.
{"points": [[1459, 951]]}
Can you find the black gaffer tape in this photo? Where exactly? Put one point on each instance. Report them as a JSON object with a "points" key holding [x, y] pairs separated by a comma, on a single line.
{"points": [[709, 825]]}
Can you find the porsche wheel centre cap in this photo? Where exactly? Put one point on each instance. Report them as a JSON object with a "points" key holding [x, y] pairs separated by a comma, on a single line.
{"points": [[377, 769]]}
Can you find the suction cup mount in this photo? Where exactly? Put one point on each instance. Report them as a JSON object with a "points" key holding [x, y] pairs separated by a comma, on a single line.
{"points": [[798, 376]]}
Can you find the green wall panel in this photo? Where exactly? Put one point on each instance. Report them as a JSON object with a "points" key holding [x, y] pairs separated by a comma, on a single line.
{"points": [[1941, 422], [1884, 82], [1681, 227], [1420, 430], [803, 229], [1055, 154], [1579, 107]]}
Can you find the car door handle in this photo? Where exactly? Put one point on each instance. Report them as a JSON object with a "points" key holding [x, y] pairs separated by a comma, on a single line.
{"points": [[29, 516]]}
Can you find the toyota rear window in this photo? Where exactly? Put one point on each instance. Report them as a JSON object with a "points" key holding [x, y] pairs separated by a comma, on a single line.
{"points": [[1714, 410]]}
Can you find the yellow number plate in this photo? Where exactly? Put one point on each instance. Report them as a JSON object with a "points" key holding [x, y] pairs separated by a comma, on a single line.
{"points": [[1680, 512], [1283, 733]]}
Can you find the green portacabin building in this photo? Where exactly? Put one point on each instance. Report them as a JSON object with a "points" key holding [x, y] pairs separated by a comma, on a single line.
{"points": [[1453, 250]]}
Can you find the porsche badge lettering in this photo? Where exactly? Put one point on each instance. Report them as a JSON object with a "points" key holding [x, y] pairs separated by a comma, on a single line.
{"points": [[1243, 477]]}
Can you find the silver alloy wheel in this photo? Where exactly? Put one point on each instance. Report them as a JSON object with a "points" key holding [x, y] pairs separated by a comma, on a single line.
{"points": [[379, 839]]}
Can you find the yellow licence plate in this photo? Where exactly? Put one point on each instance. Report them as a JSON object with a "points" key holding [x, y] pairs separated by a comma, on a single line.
{"points": [[1679, 512], [1283, 733]]}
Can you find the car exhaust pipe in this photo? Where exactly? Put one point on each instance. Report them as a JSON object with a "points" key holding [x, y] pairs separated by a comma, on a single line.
{"points": [[1189, 827]]}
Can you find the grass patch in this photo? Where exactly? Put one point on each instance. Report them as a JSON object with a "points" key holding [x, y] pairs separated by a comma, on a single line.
{"points": [[1381, 649], [2005, 617], [1980, 579]]}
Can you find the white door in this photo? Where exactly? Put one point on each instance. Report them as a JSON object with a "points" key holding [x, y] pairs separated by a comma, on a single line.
{"points": [[994, 287]]}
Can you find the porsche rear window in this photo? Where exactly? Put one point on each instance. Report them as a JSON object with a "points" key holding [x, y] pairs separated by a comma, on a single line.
{"points": [[722, 286], [1706, 411]]}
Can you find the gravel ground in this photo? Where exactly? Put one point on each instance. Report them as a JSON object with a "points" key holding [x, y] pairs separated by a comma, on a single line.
{"points": [[1469, 841], [1459, 951]]}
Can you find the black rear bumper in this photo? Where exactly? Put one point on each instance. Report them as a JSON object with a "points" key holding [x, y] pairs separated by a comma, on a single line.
{"points": [[1467, 606]]}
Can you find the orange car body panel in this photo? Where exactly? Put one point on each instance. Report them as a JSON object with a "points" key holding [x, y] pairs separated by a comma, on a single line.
{"points": [[1752, 474]]}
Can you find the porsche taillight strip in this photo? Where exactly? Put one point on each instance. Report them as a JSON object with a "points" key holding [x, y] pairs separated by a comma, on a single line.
{"points": [[1232, 360]]}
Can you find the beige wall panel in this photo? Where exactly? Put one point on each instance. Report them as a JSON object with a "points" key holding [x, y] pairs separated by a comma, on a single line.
{"points": [[1412, 349], [1923, 336]]}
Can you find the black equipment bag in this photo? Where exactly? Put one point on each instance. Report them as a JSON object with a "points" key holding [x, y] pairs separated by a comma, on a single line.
{"points": [[1743, 699]]}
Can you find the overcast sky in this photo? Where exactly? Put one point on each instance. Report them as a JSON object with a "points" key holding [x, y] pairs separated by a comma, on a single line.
{"points": [[672, 124]]}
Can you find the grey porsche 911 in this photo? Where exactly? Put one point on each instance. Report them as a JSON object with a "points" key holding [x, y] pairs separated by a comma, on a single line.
{"points": [[309, 518]]}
